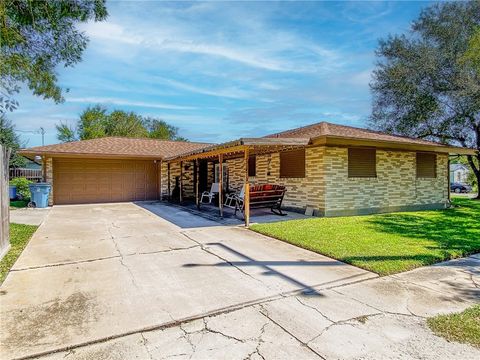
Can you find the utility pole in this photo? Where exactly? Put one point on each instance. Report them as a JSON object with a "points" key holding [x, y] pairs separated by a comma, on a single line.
{"points": [[42, 131]]}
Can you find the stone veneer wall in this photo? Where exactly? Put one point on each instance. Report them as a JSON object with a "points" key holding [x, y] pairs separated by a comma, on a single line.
{"points": [[396, 186], [188, 186], [49, 177]]}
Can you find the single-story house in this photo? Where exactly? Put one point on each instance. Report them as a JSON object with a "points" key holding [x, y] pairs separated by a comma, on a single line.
{"points": [[334, 169], [459, 173]]}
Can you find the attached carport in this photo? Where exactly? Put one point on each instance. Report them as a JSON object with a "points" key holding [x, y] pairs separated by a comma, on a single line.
{"points": [[111, 169]]}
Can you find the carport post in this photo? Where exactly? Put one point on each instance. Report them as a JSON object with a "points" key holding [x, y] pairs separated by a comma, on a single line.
{"points": [[181, 182], [197, 200], [448, 183], [159, 178], [168, 178], [246, 194], [220, 184]]}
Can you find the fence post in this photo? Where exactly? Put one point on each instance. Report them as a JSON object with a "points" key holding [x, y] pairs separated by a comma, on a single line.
{"points": [[4, 202]]}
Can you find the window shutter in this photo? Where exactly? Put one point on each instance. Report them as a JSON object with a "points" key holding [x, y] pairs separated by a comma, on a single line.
{"points": [[426, 165], [252, 165], [362, 162], [292, 164]]}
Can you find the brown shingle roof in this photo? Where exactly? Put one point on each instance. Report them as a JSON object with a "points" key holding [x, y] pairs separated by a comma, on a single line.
{"points": [[328, 129], [118, 146]]}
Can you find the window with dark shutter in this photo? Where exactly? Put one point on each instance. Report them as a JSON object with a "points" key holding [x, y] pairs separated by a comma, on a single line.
{"points": [[292, 164], [252, 166], [362, 163], [426, 165]]}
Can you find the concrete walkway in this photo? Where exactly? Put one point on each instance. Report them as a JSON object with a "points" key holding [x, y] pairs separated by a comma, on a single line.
{"points": [[28, 216], [119, 282]]}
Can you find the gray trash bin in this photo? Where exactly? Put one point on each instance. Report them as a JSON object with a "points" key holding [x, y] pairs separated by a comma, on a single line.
{"points": [[40, 192]]}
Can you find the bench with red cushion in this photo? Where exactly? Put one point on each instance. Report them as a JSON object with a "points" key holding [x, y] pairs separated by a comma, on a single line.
{"points": [[264, 196]]}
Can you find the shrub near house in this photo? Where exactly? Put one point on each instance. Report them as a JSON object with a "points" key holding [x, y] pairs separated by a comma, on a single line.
{"points": [[22, 187]]}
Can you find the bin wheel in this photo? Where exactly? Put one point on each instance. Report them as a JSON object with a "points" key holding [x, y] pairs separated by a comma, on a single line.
{"points": [[31, 204]]}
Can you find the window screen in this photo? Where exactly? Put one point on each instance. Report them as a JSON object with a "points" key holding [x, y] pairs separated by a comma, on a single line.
{"points": [[252, 165], [426, 165], [362, 162], [292, 164]]}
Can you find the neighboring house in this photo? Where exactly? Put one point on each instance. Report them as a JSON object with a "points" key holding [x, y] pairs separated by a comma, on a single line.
{"points": [[459, 173], [337, 170]]}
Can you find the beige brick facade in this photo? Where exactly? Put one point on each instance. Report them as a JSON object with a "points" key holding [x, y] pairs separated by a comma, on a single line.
{"points": [[328, 189], [396, 186]]}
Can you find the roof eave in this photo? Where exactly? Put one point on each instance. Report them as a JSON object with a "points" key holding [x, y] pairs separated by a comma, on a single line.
{"points": [[388, 144], [29, 153]]}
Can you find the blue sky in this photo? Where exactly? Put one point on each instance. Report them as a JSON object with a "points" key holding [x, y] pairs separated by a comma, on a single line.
{"points": [[224, 70]]}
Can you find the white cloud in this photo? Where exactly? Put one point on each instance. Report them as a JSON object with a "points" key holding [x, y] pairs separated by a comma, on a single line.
{"points": [[255, 44], [231, 92], [115, 101]]}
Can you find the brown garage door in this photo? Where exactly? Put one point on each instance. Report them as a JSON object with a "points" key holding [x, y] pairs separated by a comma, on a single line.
{"points": [[80, 181]]}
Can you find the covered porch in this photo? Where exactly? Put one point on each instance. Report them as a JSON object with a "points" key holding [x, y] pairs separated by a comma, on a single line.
{"points": [[230, 165]]}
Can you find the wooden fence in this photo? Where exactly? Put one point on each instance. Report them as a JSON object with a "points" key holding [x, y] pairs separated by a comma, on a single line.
{"points": [[30, 174], [4, 202]]}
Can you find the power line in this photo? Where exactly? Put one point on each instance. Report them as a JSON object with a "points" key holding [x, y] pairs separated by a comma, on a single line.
{"points": [[39, 131]]}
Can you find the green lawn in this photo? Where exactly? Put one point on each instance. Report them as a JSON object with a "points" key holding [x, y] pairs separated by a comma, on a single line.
{"points": [[387, 243], [19, 237], [463, 327]]}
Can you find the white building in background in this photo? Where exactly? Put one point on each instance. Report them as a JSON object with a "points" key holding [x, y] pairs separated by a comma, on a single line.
{"points": [[459, 173]]}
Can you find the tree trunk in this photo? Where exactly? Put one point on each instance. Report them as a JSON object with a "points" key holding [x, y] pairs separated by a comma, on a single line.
{"points": [[476, 171]]}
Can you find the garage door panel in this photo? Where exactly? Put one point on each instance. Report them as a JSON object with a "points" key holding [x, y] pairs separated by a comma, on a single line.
{"points": [[99, 180]]}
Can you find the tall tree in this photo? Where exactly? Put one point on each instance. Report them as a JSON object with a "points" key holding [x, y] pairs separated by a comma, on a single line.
{"points": [[426, 82], [37, 36], [65, 133], [159, 129], [121, 123], [96, 122], [9, 138], [92, 123]]}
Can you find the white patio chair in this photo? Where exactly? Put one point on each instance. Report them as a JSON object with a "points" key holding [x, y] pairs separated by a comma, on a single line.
{"points": [[231, 198], [210, 194]]}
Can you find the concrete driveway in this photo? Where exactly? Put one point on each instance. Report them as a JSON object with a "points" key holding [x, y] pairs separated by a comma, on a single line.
{"points": [[97, 272]]}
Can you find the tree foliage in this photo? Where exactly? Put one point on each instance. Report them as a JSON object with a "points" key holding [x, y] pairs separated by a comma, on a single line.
{"points": [[426, 83], [65, 133], [472, 55], [159, 129], [37, 36], [96, 122], [10, 139]]}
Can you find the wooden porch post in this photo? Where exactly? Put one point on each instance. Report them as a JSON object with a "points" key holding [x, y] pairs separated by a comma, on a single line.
{"points": [[159, 179], [197, 171], [168, 184], [180, 197], [246, 195], [220, 184], [448, 182]]}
